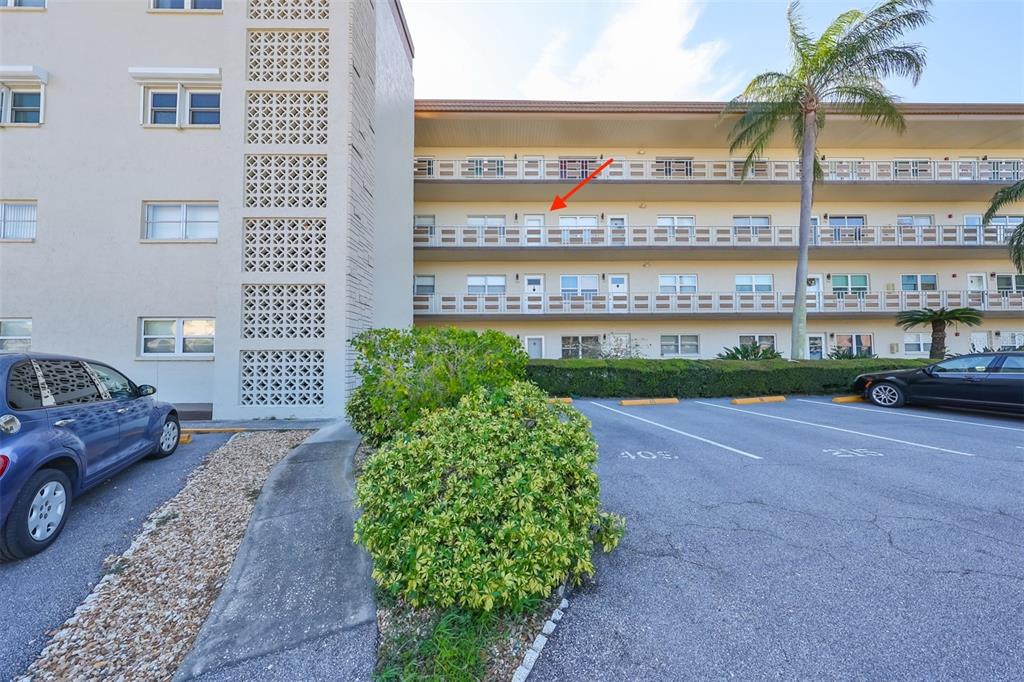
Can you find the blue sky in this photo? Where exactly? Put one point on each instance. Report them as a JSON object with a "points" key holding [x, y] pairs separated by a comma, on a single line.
{"points": [[683, 49]]}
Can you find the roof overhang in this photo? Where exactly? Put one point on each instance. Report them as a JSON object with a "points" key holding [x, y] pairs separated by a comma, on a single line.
{"points": [[23, 73], [174, 74]]}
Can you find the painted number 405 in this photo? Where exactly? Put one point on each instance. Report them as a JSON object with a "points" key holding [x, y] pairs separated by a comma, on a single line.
{"points": [[647, 454]]}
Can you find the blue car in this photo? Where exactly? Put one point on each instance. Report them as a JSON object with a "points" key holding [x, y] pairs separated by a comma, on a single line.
{"points": [[67, 424]]}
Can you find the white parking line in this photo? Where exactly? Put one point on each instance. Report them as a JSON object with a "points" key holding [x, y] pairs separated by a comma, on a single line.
{"points": [[896, 413], [836, 428], [681, 433]]}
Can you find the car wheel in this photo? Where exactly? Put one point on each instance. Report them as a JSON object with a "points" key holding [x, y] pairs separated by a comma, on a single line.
{"points": [[887, 394], [38, 515], [170, 434]]}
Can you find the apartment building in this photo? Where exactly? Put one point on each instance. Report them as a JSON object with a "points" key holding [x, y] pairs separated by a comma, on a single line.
{"points": [[670, 252], [210, 195]]}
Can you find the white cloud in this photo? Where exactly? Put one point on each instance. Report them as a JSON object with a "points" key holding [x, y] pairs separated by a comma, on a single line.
{"points": [[640, 53]]}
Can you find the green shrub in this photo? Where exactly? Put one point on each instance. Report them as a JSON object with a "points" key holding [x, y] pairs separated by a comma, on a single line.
{"points": [[701, 378], [407, 371], [487, 504], [849, 354], [749, 351]]}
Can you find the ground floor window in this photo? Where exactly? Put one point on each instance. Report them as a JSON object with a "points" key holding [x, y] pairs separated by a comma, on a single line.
{"points": [[762, 340], [423, 285], [917, 343], [1010, 340], [581, 346], [178, 336], [1007, 284], [855, 344], [15, 334], [680, 344]]}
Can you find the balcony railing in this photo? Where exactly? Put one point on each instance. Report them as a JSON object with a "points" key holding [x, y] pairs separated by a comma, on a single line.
{"points": [[710, 303], [701, 170], [709, 236]]}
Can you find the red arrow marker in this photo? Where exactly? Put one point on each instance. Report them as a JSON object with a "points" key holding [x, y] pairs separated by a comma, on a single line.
{"points": [[559, 202]]}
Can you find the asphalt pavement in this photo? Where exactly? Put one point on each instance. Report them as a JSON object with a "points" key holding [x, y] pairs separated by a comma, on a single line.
{"points": [[802, 540], [43, 591]]}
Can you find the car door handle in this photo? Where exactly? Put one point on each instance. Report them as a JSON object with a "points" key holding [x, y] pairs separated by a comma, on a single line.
{"points": [[122, 410], [63, 422]]}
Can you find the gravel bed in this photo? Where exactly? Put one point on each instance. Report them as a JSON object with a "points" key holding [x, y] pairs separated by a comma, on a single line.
{"points": [[141, 619]]}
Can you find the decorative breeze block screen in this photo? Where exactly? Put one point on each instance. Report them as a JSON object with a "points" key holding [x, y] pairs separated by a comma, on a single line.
{"points": [[284, 245], [289, 56], [284, 311], [286, 181], [300, 10], [282, 377], [286, 117]]}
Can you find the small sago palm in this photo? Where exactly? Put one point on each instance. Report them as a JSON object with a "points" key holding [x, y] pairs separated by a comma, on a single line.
{"points": [[842, 70], [1010, 195], [939, 319]]}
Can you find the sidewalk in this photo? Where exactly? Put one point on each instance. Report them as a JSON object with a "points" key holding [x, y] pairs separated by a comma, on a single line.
{"points": [[298, 602]]}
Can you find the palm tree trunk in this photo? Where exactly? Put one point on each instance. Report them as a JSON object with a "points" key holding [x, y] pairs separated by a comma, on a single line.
{"points": [[798, 351], [938, 340]]}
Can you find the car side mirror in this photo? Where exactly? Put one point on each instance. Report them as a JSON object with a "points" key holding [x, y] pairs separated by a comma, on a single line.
{"points": [[146, 389], [929, 370]]}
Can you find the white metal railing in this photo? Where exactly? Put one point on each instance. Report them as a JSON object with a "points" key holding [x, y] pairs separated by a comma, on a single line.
{"points": [[709, 235], [701, 170], [710, 302]]}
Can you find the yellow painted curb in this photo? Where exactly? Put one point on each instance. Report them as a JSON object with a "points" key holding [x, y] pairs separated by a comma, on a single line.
{"points": [[848, 399], [200, 429], [649, 401], [567, 401], [185, 439], [762, 399]]}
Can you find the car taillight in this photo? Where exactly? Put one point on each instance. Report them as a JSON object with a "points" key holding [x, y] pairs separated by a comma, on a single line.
{"points": [[4, 461]]}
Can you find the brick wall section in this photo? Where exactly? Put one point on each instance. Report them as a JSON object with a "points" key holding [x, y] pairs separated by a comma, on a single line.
{"points": [[361, 96]]}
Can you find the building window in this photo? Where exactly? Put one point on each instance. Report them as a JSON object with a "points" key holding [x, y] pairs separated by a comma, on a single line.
{"points": [[574, 167], [762, 340], [680, 344], [673, 167], [751, 225], [917, 343], [424, 224], [581, 347], [178, 106], [754, 283], [1009, 284], [181, 222], [916, 221], [423, 285], [677, 284], [21, 103], [187, 4], [855, 344], [22, 3], [487, 223], [919, 282], [843, 285], [578, 285], [846, 228], [1010, 340], [617, 223], [15, 334], [423, 167], [17, 220], [487, 168], [485, 284], [677, 225], [191, 336]]}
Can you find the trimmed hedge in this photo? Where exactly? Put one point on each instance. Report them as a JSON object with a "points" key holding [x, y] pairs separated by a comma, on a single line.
{"points": [[645, 378]]}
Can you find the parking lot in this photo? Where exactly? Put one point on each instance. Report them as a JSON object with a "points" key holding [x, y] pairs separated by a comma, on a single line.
{"points": [[802, 540]]}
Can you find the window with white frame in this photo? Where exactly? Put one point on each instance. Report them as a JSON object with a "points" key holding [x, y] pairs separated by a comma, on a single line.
{"points": [[168, 336], [17, 220], [424, 224], [1010, 340], [187, 4], [22, 94], [483, 167], [677, 225], [751, 225], [762, 340], [754, 283], [673, 166], [1010, 284], [680, 344], [182, 106], [181, 221], [916, 343], [677, 284], [487, 223], [849, 285], [855, 344], [485, 284], [37, 4], [578, 228], [847, 228], [423, 285], [919, 282], [916, 221], [581, 346], [617, 223], [423, 167], [578, 285], [15, 334]]}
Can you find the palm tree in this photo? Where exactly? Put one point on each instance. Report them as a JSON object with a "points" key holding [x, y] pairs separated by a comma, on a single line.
{"points": [[841, 71], [1010, 195], [939, 319]]}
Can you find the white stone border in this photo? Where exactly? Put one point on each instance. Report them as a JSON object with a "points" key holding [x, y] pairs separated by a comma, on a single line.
{"points": [[533, 653]]}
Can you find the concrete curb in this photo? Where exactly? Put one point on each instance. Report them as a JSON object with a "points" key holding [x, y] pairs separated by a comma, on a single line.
{"points": [[297, 576], [533, 653]]}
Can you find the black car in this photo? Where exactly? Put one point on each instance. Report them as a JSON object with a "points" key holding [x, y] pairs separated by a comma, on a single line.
{"points": [[986, 380]]}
